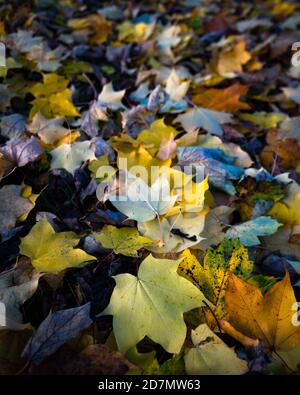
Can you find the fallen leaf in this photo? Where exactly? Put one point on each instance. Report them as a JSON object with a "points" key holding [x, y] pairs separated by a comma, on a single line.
{"points": [[14, 291], [211, 356], [125, 241], [13, 206], [269, 318], [48, 130], [203, 118], [216, 165], [175, 88], [55, 330], [247, 232], [155, 302], [71, 156], [233, 58], [141, 203], [22, 151], [96, 359], [229, 257], [52, 252], [109, 98], [227, 99]]}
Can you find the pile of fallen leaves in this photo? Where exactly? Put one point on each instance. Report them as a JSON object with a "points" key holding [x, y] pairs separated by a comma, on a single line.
{"points": [[204, 283]]}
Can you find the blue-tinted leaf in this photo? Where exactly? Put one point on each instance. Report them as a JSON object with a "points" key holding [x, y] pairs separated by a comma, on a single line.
{"points": [[217, 166], [248, 231], [58, 328]]}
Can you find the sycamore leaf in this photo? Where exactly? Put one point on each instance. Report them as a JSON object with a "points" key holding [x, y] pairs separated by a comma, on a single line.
{"points": [[232, 59], [290, 129], [292, 93], [263, 119], [52, 252], [284, 240], [268, 318], [155, 135], [211, 356], [125, 241], [23, 40], [13, 126], [287, 151], [227, 99], [141, 203], [287, 210], [168, 39], [152, 304], [175, 232], [247, 232], [111, 98], [190, 268], [203, 118], [175, 88], [15, 289], [48, 130], [241, 157], [217, 166], [167, 149], [140, 156], [94, 359], [96, 25], [13, 206], [71, 156], [52, 97], [55, 330], [22, 151], [135, 32], [229, 257]]}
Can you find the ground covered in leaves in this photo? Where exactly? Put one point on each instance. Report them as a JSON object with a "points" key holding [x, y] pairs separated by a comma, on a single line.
{"points": [[205, 282]]}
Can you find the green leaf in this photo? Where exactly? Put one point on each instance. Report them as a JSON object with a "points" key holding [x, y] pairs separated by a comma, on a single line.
{"points": [[152, 304], [211, 355], [229, 257], [125, 241], [52, 252]]}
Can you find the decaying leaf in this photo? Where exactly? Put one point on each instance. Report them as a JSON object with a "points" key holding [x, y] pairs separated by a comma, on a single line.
{"points": [[229, 257]]}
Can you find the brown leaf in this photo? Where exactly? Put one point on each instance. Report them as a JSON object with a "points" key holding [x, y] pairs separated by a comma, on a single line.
{"points": [[227, 99], [95, 359]]}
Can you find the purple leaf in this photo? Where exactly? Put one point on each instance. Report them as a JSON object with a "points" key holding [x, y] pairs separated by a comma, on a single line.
{"points": [[55, 330], [22, 151]]}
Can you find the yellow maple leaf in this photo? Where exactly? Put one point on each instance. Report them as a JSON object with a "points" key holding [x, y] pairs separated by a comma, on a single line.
{"points": [[232, 59], [52, 252], [287, 211], [153, 136], [125, 241], [52, 97]]}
